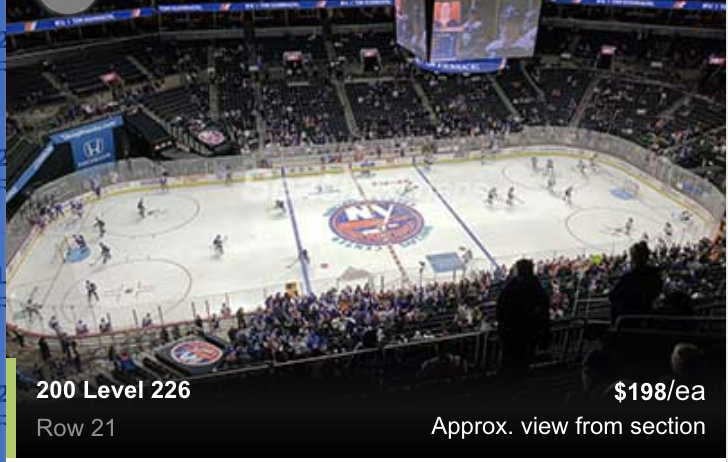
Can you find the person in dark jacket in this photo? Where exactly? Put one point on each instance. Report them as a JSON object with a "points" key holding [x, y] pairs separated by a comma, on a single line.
{"points": [[523, 318], [637, 290]]}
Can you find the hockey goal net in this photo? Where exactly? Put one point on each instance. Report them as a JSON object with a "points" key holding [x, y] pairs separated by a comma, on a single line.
{"points": [[631, 189]]}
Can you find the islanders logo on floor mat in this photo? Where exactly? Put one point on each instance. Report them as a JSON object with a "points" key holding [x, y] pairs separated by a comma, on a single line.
{"points": [[196, 353], [376, 223]]}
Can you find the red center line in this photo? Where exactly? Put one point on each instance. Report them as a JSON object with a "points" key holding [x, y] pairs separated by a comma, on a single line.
{"points": [[385, 235]]}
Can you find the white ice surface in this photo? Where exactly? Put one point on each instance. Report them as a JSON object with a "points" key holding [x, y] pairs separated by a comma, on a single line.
{"points": [[165, 263]]}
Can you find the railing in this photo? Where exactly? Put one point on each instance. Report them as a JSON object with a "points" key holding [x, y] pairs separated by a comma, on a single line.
{"points": [[479, 349], [703, 325], [677, 180], [127, 318], [671, 179]]}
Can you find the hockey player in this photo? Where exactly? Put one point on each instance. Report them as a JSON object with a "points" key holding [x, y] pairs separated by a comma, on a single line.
{"points": [[141, 208], [58, 210], [32, 309], [668, 230], [593, 162], [511, 196], [279, 206], [629, 226], [96, 188], [492, 195], [228, 175], [77, 209], [550, 167], [104, 326], [217, 245], [534, 164], [568, 194], [105, 253], [551, 184], [80, 241], [645, 237], [304, 257], [81, 328], [581, 166], [164, 181], [467, 256], [428, 162], [101, 226], [55, 325], [91, 292]]}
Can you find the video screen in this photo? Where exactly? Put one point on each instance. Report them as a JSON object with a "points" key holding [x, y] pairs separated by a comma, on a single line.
{"points": [[465, 30], [411, 26]]}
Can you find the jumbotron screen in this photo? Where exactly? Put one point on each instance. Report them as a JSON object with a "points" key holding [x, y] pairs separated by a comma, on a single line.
{"points": [[412, 26], [466, 30]]}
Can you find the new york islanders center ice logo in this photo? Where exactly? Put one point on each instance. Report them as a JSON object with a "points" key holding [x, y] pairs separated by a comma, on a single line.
{"points": [[376, 223]]}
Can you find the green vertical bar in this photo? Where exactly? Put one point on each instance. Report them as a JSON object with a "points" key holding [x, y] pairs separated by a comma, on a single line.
{"points": [[10, 408]]}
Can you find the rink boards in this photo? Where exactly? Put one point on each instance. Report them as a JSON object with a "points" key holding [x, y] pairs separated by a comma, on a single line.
{"points": [[401, 169]]}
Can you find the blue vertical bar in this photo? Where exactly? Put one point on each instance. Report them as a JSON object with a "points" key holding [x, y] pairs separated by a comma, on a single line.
{"points": [[457, 217], [3, 77], [296, 234]]}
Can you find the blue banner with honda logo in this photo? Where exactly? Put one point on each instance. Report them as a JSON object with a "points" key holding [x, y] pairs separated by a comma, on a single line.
{"points": [[91, 144]]}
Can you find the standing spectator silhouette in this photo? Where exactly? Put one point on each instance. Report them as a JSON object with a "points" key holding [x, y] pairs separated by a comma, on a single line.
{"points": [[637, 290], [45, 350], [523, 318]]}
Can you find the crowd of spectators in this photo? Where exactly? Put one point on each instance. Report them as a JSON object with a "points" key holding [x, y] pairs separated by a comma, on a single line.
{"points": [[631, 110], [389, 109], [464, 105], [521, 93], [562, 89], [520, 305], [303, 114], [301, 106], [237, 104], [293, 327], [30, 89], [706, 154]]}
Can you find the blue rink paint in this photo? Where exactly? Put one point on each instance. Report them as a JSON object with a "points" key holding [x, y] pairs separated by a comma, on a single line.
{"points": [[3, 76], [296, 234], [457, 217], [622, 194], [76, 255]]}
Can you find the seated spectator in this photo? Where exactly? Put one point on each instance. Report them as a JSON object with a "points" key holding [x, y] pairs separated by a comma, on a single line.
{"points": [[637, 290], [443, 366], [125, 363], [45, 350], [685, 365], [164, 335]]}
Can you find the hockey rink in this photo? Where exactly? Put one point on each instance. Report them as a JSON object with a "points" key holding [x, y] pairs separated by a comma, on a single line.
{"points": [[396, 227]]}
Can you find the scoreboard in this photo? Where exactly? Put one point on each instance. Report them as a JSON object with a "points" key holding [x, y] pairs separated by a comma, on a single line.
{"points": [[411, 26], [452, 31]]}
